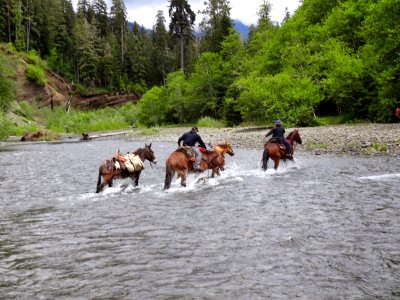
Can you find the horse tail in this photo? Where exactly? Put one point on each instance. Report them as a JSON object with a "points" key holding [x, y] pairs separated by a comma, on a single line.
{"points": [[169, 174], [265, 158]]}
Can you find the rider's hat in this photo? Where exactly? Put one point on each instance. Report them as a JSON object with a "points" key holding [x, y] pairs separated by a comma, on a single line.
{"points": [[278, 122]]}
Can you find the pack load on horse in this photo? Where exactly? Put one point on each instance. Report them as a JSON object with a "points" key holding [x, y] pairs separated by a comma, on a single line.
{"points": [[276, 151], [182, 160], [124, 166]]}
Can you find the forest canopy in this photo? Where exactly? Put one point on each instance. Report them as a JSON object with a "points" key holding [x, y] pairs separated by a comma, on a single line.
{"points": [[329, 58]]}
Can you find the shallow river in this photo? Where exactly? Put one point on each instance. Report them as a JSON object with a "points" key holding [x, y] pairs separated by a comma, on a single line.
{"points": [[325, 227]]}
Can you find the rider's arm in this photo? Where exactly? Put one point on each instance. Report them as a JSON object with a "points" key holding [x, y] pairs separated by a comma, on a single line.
{"points": [[180, 140], [201, 143]]}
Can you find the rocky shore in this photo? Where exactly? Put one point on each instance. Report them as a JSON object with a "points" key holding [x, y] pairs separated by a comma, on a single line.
{"points": [[358, 139]]}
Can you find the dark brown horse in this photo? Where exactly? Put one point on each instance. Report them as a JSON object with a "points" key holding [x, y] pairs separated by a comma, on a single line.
{"points": [[179, 162], [108, 171], [276, 151]]}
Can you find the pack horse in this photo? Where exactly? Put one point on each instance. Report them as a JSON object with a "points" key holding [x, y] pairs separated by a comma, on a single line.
{"points": [[121, 167]]}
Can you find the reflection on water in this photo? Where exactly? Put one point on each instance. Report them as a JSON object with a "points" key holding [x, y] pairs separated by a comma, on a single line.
{"points": [[325, 227]]}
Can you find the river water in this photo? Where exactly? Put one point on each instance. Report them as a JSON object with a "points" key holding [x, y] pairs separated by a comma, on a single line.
{"points": [[325, 227]]}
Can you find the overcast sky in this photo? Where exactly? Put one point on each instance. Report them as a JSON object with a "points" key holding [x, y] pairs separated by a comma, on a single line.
{"points": [[144, 11]]}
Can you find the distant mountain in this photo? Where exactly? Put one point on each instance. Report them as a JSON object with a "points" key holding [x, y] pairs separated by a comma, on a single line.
{"points": [[241, 28]]}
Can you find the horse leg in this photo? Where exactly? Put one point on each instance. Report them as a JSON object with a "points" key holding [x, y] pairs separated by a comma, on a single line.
{"points": [[100, 185], [276, 161], [265, 160], [183, 178], [216, 171], [110, 181], [136, 178]]}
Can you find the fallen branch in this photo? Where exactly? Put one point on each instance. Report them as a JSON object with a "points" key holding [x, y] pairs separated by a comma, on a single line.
{"points": [[87, 137]]}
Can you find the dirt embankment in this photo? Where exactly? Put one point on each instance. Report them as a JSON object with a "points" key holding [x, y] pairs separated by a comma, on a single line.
{"points": [[58, 91], [359, 139]]}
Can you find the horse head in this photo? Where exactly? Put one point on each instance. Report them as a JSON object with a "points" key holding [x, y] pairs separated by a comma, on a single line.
{"points": [[147, 153], [225, 148], [295, 136]]}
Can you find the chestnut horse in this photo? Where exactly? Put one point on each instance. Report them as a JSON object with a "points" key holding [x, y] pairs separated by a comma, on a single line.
{"points": [[277, 151], [108, 172], [221, 149], [178, 162], [398, 112]]}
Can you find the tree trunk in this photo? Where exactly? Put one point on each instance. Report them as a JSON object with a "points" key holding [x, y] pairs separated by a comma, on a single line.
{"points": [[28, 25], [9, 22], [182, 54]]}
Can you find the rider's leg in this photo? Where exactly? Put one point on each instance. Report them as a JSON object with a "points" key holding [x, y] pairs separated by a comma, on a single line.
{"points": [[198, 155], [287, 145]]}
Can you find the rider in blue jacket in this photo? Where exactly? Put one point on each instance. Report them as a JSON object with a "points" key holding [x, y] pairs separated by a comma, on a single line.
{"points": [[278, 134], [190, 139]]}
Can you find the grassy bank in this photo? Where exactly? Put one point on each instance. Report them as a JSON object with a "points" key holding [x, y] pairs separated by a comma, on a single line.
{"points": [[25, 117]]}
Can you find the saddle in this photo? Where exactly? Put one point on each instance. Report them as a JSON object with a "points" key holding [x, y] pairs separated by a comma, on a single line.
{"points": [[186, 150], [281, 147], [277, 141], [119, 162]]}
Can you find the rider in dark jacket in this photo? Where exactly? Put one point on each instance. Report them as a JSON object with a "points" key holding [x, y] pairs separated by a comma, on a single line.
{"points": [[190, 139], [278, 134]]}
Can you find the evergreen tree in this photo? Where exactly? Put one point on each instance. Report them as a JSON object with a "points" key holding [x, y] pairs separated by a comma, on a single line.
{"points": [[100, 11], [161, 57], [215, 24], [87, 55], [119, 25], [19, 33], [5, 20], [181, 25]]}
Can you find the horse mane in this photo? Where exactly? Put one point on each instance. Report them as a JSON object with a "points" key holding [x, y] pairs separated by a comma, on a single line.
{"points": [[224, 143], [138, 150], [290, 135]]}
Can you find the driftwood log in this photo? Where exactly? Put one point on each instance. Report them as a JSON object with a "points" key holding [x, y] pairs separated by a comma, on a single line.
{"points": [[32, 136], [88, 137]]}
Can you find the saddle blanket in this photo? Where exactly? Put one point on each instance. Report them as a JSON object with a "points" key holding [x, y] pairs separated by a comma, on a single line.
{"points": [[132, 162]]}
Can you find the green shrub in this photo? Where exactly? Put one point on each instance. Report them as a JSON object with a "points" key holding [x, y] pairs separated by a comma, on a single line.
{"points": [[27, 110], [7, 88], [36, 74], [210, 122], [130, 112], [33, 58], [85, 121], [5, 127]]}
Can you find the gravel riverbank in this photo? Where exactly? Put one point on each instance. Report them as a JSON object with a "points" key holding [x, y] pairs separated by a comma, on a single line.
{"points": [[358, 139]]}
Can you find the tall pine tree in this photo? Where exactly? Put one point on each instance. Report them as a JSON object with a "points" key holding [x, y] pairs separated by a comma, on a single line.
{"points": [[181, 25]]}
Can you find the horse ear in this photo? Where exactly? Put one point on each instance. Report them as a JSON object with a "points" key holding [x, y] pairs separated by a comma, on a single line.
{"points": [[150, 145]]}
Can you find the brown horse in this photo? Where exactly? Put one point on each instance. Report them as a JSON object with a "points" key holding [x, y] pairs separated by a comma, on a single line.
{"points": [[221, 149], [277, 151], [108, 172], [179, 162], [398, 112]]}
